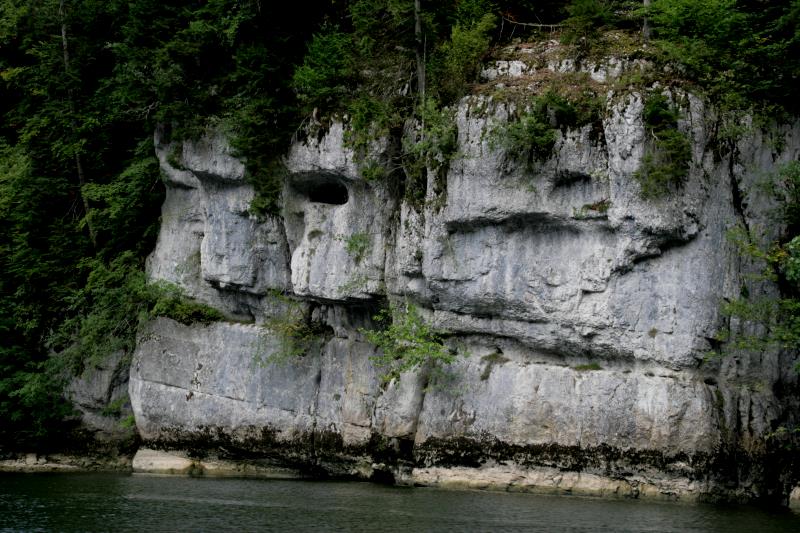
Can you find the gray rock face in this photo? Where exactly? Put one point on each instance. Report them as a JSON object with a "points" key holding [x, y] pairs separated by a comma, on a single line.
{"points": [[209, 244], [100, 396], [584, 331]]}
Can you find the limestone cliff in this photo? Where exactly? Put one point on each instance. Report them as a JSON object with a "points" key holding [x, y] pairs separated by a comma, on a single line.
{"points": [[584, 332]]}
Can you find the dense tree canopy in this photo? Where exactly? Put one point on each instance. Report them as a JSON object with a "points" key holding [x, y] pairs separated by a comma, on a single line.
{"points": [[85, 82]]}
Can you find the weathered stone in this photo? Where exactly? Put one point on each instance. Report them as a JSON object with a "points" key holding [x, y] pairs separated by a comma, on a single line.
{"points": [[794, 498], [584, 313], [148, 461]]}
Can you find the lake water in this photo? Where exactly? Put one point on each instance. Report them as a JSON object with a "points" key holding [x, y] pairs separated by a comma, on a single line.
{"points": [[107, 502]]}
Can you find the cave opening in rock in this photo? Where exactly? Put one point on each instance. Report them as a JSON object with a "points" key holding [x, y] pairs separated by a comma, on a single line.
{"points": [[328, 193]]}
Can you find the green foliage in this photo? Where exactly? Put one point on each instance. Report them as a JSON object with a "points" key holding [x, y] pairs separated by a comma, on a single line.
{"points": [[667, 150], [169, 301], [262, 152], [129, 422], [37, 253], [585, 21], [114, 409], [531, 135], [786, 189], [407, 342], [759, 321], [124, 209], [457, 62], [587, 367], [321, 81], [106, 312], [790, 264], [432, 148], [267, 180], [762, 324], [370, 119], [372, 171], [296, 332], [357, 245], [571, 102], [29, 405], [528, 139], [744, 53]]}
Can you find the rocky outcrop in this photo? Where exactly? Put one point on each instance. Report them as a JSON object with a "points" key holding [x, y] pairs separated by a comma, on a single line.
{"points": [[583, 313]]}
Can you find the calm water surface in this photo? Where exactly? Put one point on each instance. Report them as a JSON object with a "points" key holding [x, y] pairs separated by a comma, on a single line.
{"points": [[93, 502]]}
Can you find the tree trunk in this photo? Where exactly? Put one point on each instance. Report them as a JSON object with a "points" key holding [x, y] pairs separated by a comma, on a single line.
{"points": [[78, 163], [646, 24], [420, 49]]}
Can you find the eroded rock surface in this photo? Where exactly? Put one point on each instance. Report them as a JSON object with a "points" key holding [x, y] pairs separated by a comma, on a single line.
{"points": [[584, 313]]}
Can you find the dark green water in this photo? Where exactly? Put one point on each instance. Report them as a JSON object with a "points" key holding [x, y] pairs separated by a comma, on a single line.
{"points": [[143, 503]]}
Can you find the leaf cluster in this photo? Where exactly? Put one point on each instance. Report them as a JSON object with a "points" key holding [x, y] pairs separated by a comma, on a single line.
{"points": [[667, 155], [357, 245], [771, 321], [294, 328], [585, 21], [107, 311], [457, 62], [430, 148], [406, 342], [743, 53], [531, 135]]}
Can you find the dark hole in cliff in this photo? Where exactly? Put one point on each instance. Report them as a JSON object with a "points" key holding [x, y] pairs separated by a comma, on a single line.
{"points": [[384, 477], [328, 193], [569, 177]]}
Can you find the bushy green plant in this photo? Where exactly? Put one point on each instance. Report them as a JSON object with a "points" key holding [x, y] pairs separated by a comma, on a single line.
{"points": [[432, 148], [406, 342], [372, 170], [785, 187], [169, 301], [743, 53], [357, 246], [107, 311], [124, 210], [790, 264], [267, 180], [530, 138], [585, 21], [114, 409], [259, 129], [588, 367], [771, 321], [778, 321], [321, 81], [665, 164], [458, 60], [129, 422], [558, 110], [370, 119], [526, 138], [296, 332], [658, 113]]}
